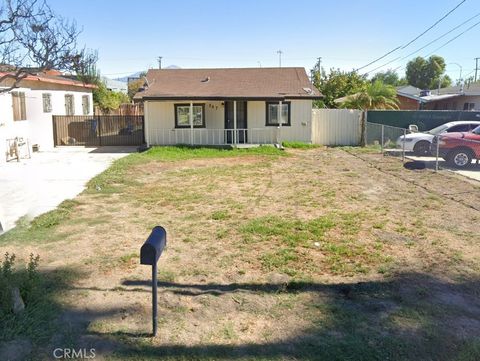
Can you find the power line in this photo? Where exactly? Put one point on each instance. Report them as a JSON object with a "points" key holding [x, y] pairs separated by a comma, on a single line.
{"points": [[425, 46], [441, 36], [413, 40], [431, 27], [455, 37], [374, 61]]}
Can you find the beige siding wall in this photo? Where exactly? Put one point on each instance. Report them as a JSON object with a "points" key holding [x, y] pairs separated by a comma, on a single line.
{"points": [[160, 123], [300, 118], [454, 103], [336, 126]]}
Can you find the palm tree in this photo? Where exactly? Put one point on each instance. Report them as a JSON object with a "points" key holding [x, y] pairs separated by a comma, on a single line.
{"points": [[376, 95]]}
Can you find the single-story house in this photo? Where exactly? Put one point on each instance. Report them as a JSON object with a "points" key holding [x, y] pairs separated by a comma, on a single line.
{"points": [[227, 106], [409, 97], [459, 97], [26, 111]]}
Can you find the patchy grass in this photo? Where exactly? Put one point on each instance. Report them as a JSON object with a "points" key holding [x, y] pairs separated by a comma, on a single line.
{"points": [[42, 228], [300, 145], [327, 242], [113, 179], [316, 255]]}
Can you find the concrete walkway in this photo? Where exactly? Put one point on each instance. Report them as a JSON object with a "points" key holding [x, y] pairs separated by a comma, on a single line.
{"points": [[34, 186], [473, 172]]}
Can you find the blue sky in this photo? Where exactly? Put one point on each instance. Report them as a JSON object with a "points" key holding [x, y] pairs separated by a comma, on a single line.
{"points": [[129, 35]]}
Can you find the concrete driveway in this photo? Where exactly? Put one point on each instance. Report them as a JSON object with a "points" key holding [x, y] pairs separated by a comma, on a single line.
{"points": [[473, 172], [34, 186]]}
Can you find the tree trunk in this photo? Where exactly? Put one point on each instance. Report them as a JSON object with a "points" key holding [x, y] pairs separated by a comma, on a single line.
{"points": [[363, 126]]}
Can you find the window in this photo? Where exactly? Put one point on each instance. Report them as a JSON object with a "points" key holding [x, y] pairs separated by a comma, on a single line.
{"points": [[468, 106], [182, 115], [47, 102], [272, 116], [85, 104], [19, 109], [69, 105], [459, 128]]}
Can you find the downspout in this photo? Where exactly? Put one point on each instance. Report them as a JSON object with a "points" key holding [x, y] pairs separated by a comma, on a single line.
{"points": [[280, 121], [191, 123], [235, 122]]}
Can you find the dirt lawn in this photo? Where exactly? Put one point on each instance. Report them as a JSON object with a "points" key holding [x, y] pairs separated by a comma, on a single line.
{"points": [[317, 254]]}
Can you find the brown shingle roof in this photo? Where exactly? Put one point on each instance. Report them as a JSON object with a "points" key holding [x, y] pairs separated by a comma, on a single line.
{"points": [[262, 83]]}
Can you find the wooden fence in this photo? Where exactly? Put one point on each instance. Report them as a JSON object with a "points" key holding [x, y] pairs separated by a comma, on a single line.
{"points": [[98, 130], [123, 109]]}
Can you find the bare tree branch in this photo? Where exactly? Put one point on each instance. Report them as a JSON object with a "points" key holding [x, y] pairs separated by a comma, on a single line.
{"points": [[34, 39]]}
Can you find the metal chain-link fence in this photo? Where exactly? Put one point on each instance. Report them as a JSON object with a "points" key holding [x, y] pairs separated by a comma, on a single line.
{"points": [[451, 151], [387, 139]]}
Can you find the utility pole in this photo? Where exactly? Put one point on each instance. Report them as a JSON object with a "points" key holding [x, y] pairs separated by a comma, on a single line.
{"points": [[476, 67], [160, 62], [279, 52], [319, 65]]}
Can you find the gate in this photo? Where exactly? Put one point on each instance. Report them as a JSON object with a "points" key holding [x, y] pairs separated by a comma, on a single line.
{"points": [[98, 130]]}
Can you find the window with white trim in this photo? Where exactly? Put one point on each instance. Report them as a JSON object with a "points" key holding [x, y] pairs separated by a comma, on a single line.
{"points": [[69, 104], [47, 102], [273, 114], [182, 115], [85, 104]]}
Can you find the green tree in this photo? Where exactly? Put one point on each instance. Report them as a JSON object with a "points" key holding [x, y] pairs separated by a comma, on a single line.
{"points": [[427, 73], [135, 84], [337, 84], [108, 100], [389, 77], [376, 95]]}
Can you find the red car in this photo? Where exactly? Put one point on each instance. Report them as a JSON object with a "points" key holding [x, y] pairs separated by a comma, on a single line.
{"points": [[459, 149]]}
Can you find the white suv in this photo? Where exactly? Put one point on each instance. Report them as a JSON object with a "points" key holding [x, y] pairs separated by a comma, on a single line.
{"points": [[419, 143]]}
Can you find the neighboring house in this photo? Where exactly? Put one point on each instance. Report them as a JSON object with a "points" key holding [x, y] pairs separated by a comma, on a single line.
{"points": [[460, 97], [409, 97], [115, 85], [227, 106], [27, 111]]}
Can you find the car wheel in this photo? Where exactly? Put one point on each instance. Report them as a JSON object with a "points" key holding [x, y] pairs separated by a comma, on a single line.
{"points": [[460, 158], [422, 148]]}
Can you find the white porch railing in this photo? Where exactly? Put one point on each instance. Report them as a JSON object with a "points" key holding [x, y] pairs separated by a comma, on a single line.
{"points": [[205, 136]]}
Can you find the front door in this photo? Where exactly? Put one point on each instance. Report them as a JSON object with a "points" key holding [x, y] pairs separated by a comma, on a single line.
{"points": [[241, 122]]}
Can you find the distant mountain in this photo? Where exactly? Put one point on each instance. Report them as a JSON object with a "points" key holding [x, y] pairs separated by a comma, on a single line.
{"points": [[137, 74], [125, 78]]}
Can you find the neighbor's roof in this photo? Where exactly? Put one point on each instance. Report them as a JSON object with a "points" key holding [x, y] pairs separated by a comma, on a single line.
{"points": [[469, 89], [435, 97], [408, 90], [47, 77], [228, 83]]}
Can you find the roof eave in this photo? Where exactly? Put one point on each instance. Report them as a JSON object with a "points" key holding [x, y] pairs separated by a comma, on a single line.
{"points": [[226, 97]]}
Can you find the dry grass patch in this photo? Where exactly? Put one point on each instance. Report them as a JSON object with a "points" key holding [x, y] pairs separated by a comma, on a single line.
{"points": [[315, 255]]}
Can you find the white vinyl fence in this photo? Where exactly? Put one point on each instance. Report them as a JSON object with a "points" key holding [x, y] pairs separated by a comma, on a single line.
{"points": [[336, 126]]}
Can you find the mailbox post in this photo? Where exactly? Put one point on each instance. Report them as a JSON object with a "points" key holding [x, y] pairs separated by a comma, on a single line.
{"points": [[149, 255]]}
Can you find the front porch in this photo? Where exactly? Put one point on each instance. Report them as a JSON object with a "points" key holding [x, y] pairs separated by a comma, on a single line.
{"points": [[213, 122], [205, 136]]}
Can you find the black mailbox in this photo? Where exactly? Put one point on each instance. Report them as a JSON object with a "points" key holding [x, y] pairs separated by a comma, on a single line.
{"points": [[153, 246], [149, 255]]}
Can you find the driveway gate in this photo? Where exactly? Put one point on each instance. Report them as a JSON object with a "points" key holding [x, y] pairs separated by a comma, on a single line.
{"points": [[98, 130]]}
